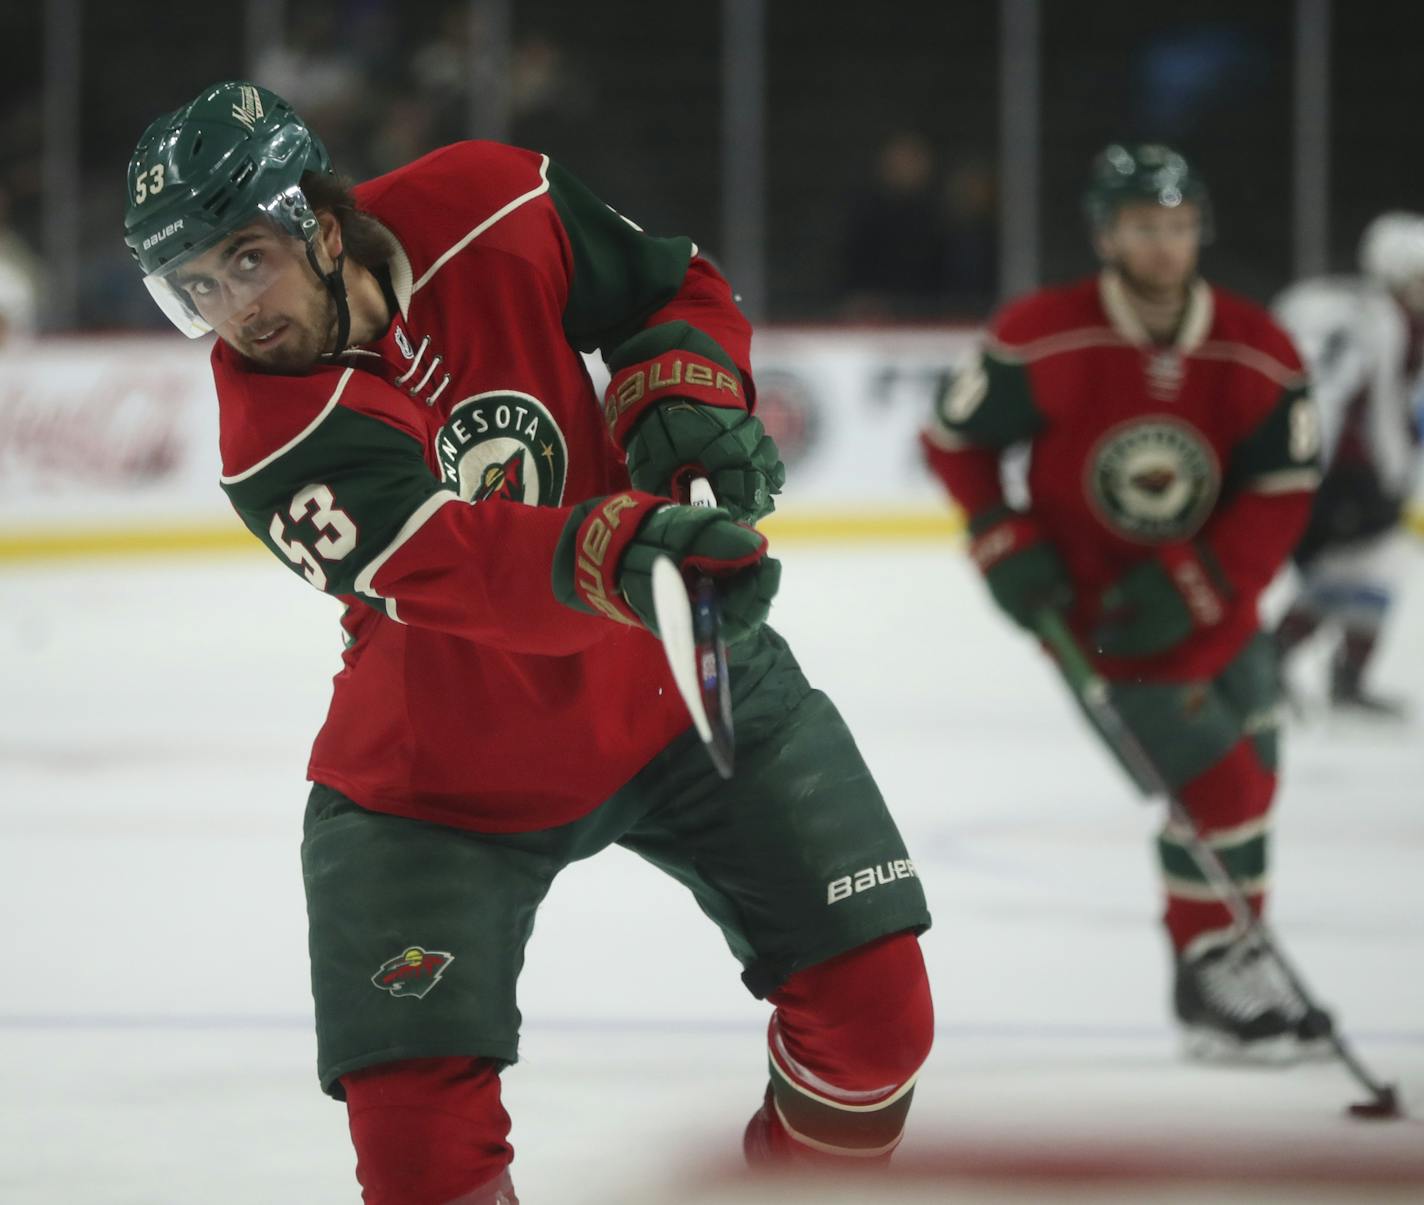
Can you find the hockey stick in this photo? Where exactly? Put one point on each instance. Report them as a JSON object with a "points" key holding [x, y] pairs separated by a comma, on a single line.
{"points": [[1092, 689], [690, 622]]}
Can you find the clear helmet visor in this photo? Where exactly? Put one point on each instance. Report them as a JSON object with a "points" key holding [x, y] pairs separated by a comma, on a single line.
{"points": [[229, 277]]}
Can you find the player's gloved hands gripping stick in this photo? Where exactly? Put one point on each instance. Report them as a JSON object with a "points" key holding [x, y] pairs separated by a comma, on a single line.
{"points": [[676, 441], [678, 408], [1161, 601], [606, 558], [1022, 569]]}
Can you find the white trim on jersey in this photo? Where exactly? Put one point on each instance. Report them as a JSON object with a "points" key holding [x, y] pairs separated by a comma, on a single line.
{"points": [[1249, 357], [402, 275], [944, 438], [1196, 318], [296, 439], [418, 518], [1201, 312], [1284, 481], [497, 216], [1079, 338]]}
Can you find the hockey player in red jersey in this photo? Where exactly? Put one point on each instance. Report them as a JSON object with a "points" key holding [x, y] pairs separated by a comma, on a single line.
{"points": [[1172, 460], [406, 423]]}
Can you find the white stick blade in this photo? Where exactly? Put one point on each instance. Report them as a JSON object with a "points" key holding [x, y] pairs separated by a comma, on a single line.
{"points": [[674, 614]]}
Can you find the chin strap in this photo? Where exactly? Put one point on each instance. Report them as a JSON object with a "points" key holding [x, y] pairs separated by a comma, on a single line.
{"points": [[297, 215], [335, 285]]}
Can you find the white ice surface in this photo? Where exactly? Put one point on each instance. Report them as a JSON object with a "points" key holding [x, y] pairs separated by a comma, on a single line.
{"points": [[155, 1017]]}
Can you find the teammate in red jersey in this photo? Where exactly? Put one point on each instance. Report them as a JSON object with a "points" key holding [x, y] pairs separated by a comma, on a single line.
{"points": [[1173, 456], [407, 423]]}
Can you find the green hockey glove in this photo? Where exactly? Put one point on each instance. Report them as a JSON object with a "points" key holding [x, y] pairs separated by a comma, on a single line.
{"points": [[1024, 572], [1160, 602], [604, 560], [677, 405], [676, 440]]}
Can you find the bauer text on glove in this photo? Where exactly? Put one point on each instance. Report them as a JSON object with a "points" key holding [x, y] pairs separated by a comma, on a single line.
{"points": [[604, 560], [683, 412]]}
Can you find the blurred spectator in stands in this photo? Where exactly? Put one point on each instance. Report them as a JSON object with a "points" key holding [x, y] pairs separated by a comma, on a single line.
{"points": [[317, 68], [972, 237], [20, 274], [442, 70], [544, 101], [111, 294], [551, 100], [408, 128], [895, 253]]}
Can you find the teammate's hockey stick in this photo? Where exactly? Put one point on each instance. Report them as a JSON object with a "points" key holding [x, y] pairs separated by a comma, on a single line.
{"points": [[1092, 689], [690, 622]]}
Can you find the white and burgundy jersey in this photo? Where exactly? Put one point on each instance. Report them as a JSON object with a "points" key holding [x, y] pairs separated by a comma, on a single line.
{"points": [[1365, 354]]}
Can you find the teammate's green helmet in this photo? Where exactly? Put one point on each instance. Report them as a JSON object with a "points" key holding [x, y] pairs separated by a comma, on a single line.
{"points": [[1143, 172], [235, 153]]}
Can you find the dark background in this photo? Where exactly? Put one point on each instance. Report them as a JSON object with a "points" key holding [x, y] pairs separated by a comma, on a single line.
{"points": [[627, 95]]}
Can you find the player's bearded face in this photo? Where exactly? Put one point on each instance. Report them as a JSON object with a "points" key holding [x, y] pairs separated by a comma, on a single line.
{"points": [[259, 293], [1154, 247]]}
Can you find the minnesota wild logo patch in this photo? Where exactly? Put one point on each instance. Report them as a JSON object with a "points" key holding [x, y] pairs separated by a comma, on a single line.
{"points": [[503, 445], [1153, 480], [413, 972]]}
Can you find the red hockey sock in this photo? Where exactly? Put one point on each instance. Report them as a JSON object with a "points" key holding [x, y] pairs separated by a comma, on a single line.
{"points": [[1231, 805], [430, 1132], [846, 1041]]}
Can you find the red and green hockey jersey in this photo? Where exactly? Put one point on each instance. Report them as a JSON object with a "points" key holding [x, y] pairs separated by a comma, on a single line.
{"points": [[424, 480], [1135, 445]]}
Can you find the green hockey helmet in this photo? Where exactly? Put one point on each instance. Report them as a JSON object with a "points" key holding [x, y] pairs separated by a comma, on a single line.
{"points": [[1151, 172], [232, 156]]}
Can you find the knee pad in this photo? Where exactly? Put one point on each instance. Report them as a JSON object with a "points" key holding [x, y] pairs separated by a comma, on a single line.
{"points": [[1236, 790], [846, 1042], [429, 1132]]}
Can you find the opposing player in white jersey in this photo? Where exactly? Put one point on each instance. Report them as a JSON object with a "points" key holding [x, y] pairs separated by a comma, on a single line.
{"points": [[1363, 340]]}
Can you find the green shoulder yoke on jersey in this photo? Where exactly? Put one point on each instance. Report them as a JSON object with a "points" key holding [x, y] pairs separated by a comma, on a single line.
{"points": [[1283, 452], [988, 403], [621, 275]]}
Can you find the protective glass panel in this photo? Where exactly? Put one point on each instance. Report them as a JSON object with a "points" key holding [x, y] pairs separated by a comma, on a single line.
{"points": [[229, 279]]}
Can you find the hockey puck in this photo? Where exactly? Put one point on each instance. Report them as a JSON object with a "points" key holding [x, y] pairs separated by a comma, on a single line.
{"points": [[1384, 1107]]}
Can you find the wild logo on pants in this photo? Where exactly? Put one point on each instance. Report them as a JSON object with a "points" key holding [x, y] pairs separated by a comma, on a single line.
{"points": [[413, 972]]}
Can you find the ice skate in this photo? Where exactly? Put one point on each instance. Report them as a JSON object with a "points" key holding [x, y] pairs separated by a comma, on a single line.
{"points": [[1234, 1005], [1353, 700]]}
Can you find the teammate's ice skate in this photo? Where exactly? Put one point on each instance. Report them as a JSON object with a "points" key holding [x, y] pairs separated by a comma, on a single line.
{"points": [[1234, 1005]]}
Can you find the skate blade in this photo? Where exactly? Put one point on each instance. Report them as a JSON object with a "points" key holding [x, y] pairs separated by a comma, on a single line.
{"points": [[1214, 1047]]}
